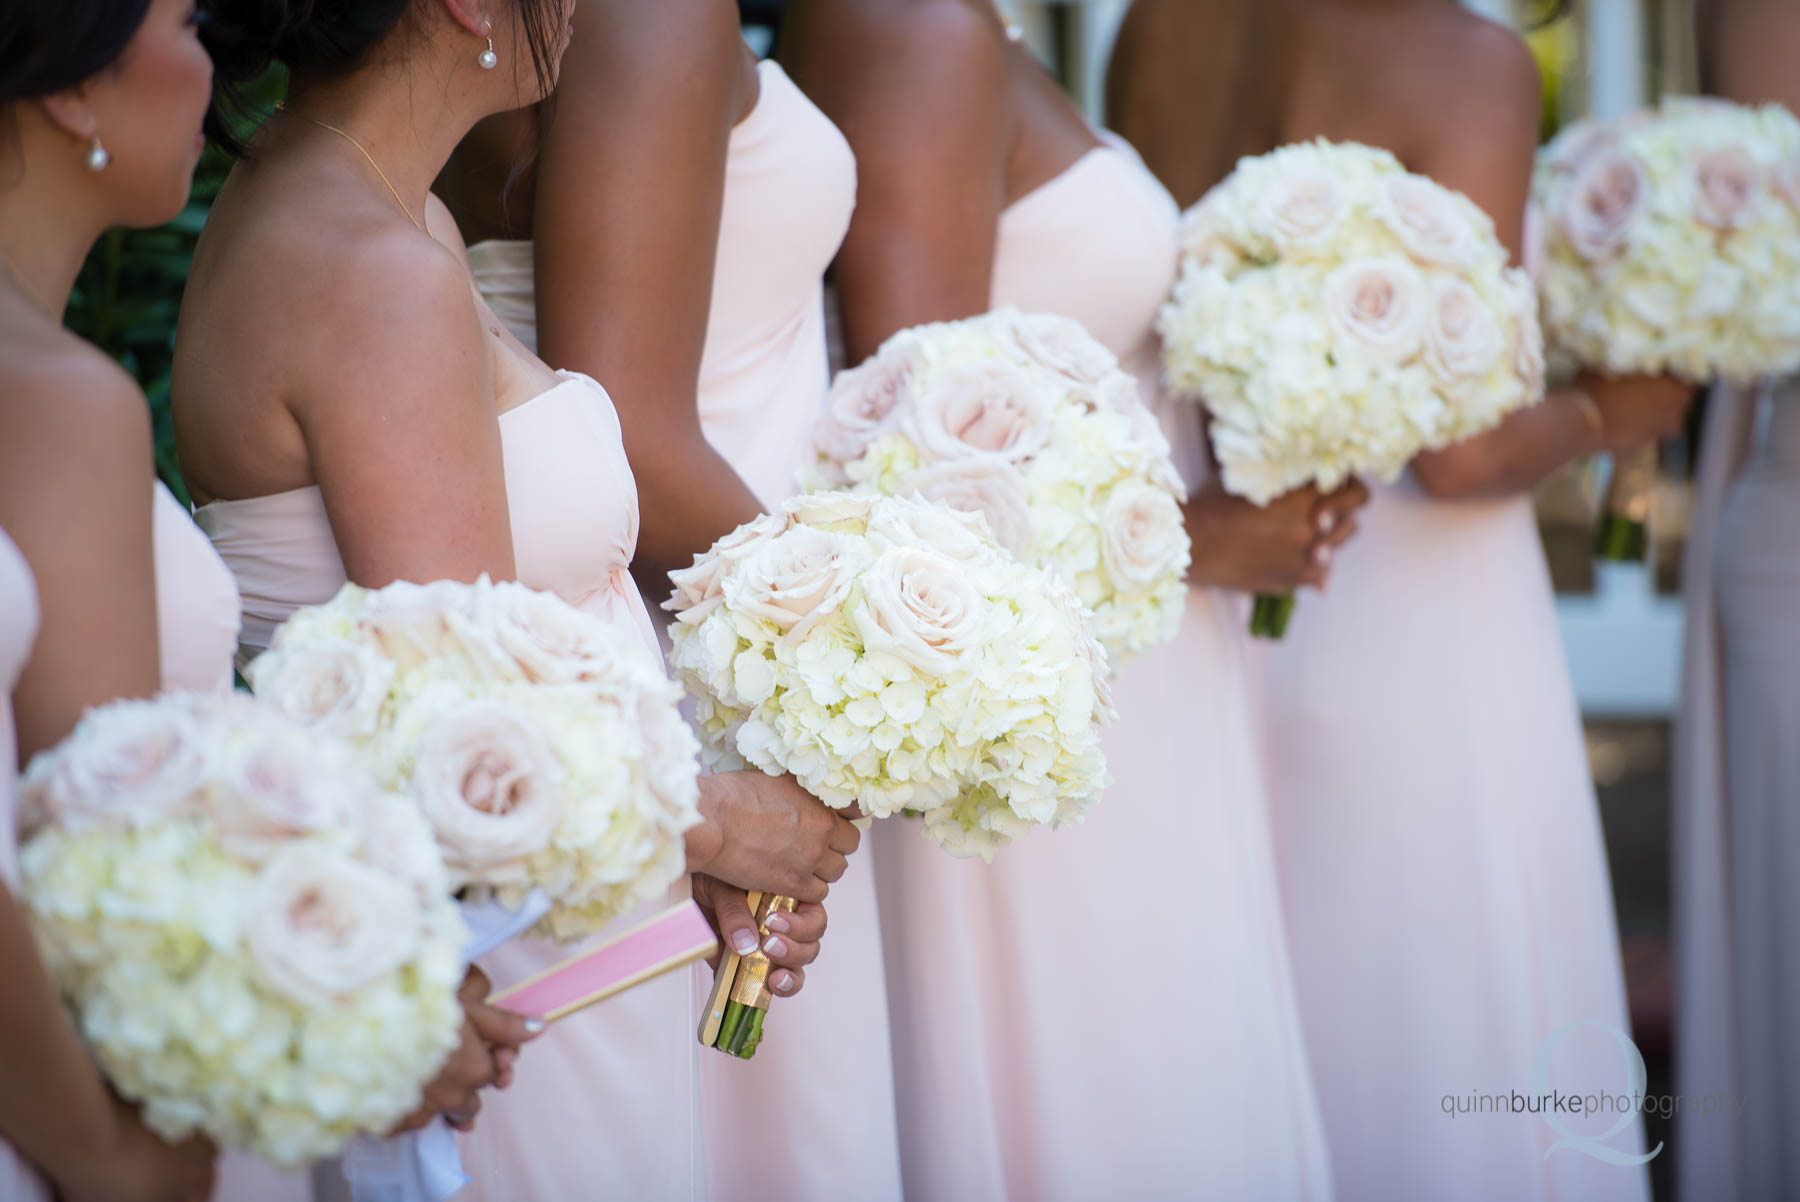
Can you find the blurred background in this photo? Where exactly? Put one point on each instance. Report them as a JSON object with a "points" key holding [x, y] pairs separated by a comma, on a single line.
{"points": [[1621, 623]]}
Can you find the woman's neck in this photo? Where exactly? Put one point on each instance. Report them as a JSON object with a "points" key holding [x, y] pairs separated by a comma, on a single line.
{"points": [[402, 120], [47, 228]]}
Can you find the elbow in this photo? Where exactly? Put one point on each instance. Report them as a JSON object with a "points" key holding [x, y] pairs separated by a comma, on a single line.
{"points": [[1455, 473]]}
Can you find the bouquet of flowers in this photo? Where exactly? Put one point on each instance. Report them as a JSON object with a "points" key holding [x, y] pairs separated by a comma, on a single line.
{"points": [[1337, 315], [1672, 244], [543, 746], [888, 654], [256, 943], [1030, 421]]}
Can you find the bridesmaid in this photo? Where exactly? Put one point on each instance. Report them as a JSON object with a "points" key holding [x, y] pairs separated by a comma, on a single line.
{"points": [[1172, 1061], [101, 102], [1737, 779], [1442, 871], [393, 430], [665, 222]]}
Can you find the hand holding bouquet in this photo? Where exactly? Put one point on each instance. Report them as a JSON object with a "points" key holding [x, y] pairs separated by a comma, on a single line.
{"points": [[256, 943], [1672, 248], [543, 747], [1031, 422], [889, 655], [1337, 315]]}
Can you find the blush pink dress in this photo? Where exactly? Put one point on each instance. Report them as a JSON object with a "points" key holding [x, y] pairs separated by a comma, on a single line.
{"points": [[812, 1116], [1105, 1011], [603, 1104], [1442, 870], [18, 631]]}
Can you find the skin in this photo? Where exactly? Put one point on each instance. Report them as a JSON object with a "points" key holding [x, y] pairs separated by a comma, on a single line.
{"points": [[1292, 70], [951, 123], [1747, 50], [391, 373], [623, 198], [75, 493]]}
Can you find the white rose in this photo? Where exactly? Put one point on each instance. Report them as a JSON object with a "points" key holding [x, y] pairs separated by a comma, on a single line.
{"points": [[131, 763], [1525, 336], [1427, 221], [864, 402], [407, 621], [1061, 345], [553, 642], [795, 579], [1379, 305], [1464, 338], [996, 491], [952, 533], [1142, 537], [669, 759], [1727, 182], [397, 841], [1607, 196], [490, 786], [1079, 620], [279, 792], [830, 509], [697, 588], [321, 925], [922, 608], [1303, 208], [984, 409], [335, 686]]}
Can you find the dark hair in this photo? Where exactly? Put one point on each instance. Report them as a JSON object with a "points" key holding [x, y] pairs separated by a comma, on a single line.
{"points": [[325, 38], [49, 45]]}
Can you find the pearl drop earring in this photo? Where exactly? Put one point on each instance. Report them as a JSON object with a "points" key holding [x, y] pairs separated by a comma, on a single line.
{"points": [[97, 156], [487, 58]]}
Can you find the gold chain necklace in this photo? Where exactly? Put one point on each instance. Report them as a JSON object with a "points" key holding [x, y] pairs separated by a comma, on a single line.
{"points": [[281, 107]]}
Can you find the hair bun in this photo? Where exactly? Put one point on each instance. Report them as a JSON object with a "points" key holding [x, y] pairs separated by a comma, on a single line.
{"points": [[318, 37]]}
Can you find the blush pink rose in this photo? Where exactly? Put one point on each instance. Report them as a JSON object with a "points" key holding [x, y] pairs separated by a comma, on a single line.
{"points": [[984, 409], [863, 403], [1726, 184], [1427, 222], [1606, 199], [1303, 208], [1380, 306]]}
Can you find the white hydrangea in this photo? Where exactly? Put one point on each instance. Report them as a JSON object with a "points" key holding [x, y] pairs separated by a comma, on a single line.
{"points": [[1337, 315], [544, 746], [888, 654], [1029, 421], [1673, 241], [255, 942]]}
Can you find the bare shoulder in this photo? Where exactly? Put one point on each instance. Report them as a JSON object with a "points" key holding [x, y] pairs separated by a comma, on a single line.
{"points": [[70, 404], [684, 37], [908, 64], [1480, 70]]}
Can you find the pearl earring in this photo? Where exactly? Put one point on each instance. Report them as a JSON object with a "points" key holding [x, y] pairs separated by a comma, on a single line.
{"points": [[97, 157], [487, 58]]}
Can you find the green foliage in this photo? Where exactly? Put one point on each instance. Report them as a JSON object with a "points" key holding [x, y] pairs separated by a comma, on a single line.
{"points": [[128, 294]]}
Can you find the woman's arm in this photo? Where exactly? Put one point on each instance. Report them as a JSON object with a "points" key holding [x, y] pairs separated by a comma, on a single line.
{"points": [[75, 495], [630, 188], [921, 94]]}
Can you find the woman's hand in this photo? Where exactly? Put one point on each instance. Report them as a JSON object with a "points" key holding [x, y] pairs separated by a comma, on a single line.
{"points": [[792, 942], [491, 1039], [1637, 409], [1276, 548], [767, 833], [137, 1166]]}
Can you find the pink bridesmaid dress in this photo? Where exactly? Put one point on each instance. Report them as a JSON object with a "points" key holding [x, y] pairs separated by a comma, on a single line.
{"points": [[18, 630], [1442, 871], [603, 1103], [812, 1116], [1736, 829], [1106, 1011]]}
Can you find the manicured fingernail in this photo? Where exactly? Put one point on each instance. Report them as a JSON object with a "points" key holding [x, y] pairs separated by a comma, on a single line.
{"points": [[1321, 555], [534, 1025], [743, 942], [782, 982], [1327, 520], [777, 923], [775, 946]]}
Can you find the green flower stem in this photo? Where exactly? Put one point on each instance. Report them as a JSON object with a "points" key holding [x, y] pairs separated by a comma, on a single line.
{"points": [[1269, 619], [1622, 540]]}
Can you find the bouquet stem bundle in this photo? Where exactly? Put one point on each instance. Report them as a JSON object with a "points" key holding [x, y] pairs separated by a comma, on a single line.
{"points": [[1625, 524], [740, 997], [1271, 614]]}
